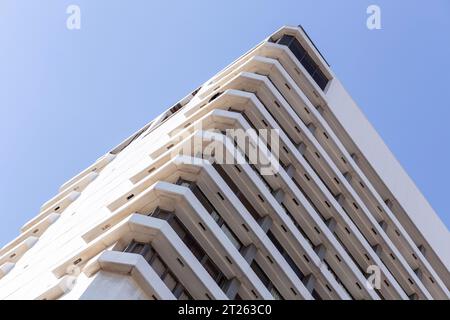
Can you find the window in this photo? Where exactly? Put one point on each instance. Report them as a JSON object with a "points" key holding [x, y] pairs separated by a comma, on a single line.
{"points": [[170, 281], [286, 256], [212, 211], [309, 199], [192, 244], [299, 228], [176, 107], [230, 234], [214, 96], [358, 265], [305, 59], [316, 295], [184, 183], [338, 280], [184, 295], [160, 267], [127, 142], [266, 281], [260, 273], [135, 247], [236, 191]]}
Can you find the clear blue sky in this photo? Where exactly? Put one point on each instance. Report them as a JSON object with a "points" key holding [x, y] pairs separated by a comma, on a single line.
{"points": [[67, 97]]}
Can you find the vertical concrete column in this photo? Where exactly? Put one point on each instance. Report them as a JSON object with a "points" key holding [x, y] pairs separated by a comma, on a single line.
{"points": [[265, 223], [354, 157], [309, 281], [178, 290], [321, 110], [331, 224], [418, 273], [383, 225], [422, 249], [414, 296], [290, 170], [278, 195], [232, 288], [301, 148], [249, 253], [321, 250], [312, 128], [348, 176], [378, 249], [389, 203], [340, 198]]}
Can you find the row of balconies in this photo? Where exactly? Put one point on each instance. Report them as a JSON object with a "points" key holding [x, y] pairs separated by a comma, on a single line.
{"points": [[130, 199], [353, 166], [363, 186], [312, 228], [50, 211]]}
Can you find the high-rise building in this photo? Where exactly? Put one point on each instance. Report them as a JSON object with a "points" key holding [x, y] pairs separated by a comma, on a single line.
{"points": [[265, 182]]}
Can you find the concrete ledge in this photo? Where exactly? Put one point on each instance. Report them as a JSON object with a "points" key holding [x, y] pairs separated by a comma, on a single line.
{"points": [[57, 208], [97, 166], [5, 268], [37, 231], [63, 286], [134, 265], [143, 229], [14, 254], [78, 186]]}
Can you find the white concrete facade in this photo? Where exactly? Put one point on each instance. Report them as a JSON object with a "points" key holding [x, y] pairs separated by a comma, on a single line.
{"points": [[150, 220]]}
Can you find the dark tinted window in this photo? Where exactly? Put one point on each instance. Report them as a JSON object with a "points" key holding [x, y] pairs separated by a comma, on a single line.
{"points": [[316, 295], [160, 268], [266, 281], [298, 52], [236, 191], [285, 255], [309, 64], [286, 40], [260, 273], [320, 79], [191, 243], [305, 59]]}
